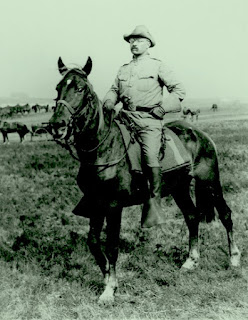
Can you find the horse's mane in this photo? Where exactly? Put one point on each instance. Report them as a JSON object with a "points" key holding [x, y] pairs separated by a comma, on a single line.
{"points": [[98, 103]]}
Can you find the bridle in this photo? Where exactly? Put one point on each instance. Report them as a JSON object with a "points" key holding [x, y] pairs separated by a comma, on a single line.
{"points": [[70, 125], [78, 112], [68, 143], [68, 106]]}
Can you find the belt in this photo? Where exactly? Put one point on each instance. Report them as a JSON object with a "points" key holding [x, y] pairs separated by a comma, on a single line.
{"points": [[138, 108], [144, 109]]}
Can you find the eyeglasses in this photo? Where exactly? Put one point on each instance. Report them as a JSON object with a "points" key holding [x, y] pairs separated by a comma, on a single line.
{"points": [[139, 40]]}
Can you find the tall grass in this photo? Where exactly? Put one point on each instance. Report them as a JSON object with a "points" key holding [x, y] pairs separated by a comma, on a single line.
{"points": [[47, 271]]}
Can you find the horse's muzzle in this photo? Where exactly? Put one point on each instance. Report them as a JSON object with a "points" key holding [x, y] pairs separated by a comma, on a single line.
{"points": [[59, 130]]}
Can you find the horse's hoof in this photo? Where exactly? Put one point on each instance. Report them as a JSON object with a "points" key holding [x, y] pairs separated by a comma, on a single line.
{"points": [[106, 299], [189, 265], [235, 260], [192, 261]]}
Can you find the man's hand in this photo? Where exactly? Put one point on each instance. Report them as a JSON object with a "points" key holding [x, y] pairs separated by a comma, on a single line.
{"points": [[108, 105], [158, 112]]}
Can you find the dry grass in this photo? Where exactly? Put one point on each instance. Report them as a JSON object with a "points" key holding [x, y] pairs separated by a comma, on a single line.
{"points": [[47, 271]]}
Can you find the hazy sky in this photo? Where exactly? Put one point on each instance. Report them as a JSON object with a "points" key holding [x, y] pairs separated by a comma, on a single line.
{"points": [[204, 41]]}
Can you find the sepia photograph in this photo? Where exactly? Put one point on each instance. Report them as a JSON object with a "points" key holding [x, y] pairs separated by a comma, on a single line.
{"points": [[123, 160]]}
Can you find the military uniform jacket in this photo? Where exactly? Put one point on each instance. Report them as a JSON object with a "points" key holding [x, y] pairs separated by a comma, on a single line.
{"points": [[142, 80]]}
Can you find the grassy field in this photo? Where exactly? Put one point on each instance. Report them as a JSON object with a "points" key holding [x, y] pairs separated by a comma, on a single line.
{"points": [[47, 271]]}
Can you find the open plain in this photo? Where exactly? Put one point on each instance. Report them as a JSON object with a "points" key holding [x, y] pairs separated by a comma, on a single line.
{"points": [[47, 271]]}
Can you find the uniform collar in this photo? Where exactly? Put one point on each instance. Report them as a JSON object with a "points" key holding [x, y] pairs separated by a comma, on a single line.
{"points": [[147, 55]]}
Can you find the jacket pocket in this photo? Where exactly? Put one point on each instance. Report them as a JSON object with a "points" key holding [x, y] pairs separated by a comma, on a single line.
{"points": [[146, 81], [123, 82]]}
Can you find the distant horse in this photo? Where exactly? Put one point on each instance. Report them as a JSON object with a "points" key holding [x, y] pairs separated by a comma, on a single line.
{"points": [[22, 109], [91, 134], [214, 107], [44, 107], [9, 127], [194, 114], [35, 108], [7, 112], [38, 107], [26, 109]]}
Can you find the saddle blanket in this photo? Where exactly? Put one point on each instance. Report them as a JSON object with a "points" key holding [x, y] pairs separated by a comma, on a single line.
{"points": [[175, 154]]}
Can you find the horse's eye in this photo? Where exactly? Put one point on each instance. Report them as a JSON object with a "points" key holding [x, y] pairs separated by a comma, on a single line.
{"points": [[80, 89]]}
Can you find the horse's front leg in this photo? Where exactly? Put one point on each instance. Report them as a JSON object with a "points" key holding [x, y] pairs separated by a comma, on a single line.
{"points": [[107, 260], [113, 219], [94, 243]]}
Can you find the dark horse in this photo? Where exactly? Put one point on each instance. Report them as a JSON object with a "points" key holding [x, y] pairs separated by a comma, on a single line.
{"points": [[9, 127], [91, 135], [214, 107], [192, 113]]}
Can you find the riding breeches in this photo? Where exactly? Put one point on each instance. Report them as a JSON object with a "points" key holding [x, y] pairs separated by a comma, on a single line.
{"points": [[149, 131]]}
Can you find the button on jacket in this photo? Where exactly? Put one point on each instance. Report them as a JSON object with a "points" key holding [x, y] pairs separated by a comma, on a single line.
{"points": [[142, 80]]}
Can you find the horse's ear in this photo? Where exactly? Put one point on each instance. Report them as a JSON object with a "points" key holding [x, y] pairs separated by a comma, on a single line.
{"points": [[88, 66], [61, 66]]}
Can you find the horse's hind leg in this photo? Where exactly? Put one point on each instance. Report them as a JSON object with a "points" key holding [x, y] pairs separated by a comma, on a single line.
{"points": [[191, 215], [5, 138], [21, 135], [225, 215]]}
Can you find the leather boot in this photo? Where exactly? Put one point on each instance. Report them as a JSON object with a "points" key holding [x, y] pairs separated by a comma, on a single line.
{"points": [[152, 211]]}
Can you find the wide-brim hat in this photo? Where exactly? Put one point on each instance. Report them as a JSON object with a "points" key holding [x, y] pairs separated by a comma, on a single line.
{"points": [[140, 31]]}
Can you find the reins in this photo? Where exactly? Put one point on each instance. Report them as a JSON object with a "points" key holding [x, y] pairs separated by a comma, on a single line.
{"points": [[68, 106], [70, 127], [104, 139], [70, 109], [106, 164]]}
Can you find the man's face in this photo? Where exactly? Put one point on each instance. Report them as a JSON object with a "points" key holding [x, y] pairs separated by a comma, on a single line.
{"points": [[139, 45]]}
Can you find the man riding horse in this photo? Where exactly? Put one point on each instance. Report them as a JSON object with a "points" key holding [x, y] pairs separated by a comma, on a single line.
{"points": [[139, 86], [88, 132]]}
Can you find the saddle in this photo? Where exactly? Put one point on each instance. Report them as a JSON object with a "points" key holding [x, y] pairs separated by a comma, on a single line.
{"points": [[173, 154]]}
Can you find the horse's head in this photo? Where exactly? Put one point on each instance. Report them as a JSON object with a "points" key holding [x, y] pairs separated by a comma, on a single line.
{"points": [[75, 98]]}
